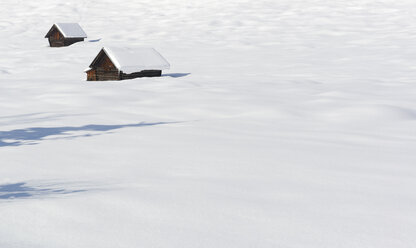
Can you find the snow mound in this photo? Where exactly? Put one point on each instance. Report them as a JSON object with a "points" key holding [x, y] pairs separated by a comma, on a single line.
{"points": [[371, 112]]}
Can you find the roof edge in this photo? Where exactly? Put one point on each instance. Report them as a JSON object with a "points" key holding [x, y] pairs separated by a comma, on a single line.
{"points": [[112, 57], [50, 30], [116, 63]]}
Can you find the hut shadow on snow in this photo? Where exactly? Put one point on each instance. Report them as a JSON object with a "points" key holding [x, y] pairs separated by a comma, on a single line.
{"points": [[31, 136], [175, 75], [22, 190], [96, 40]]}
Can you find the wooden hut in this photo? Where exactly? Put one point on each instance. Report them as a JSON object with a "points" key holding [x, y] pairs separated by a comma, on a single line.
{"points": [[65, 34], [124, 63]]}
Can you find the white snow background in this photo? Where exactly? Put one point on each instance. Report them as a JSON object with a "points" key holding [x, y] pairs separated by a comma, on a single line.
{"points": [[281, 123]]}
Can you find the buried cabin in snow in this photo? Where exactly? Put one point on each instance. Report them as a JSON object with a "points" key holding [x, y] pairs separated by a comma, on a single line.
{"points": [[65, 34], [125, 63]]}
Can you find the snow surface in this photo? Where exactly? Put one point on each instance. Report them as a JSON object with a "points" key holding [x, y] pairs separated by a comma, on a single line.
{"points": [[71, 30], [129, 60], [286, 123]]}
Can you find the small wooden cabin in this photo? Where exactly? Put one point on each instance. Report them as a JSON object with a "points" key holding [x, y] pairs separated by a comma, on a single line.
{"points": [[65, 34], [124, 63]]}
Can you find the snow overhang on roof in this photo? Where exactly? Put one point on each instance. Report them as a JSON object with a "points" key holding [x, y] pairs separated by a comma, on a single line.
{"points": [[131, 60], [70, 30]]}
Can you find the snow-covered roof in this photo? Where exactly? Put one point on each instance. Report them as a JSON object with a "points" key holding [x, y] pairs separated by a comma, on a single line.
{"points": [[70, 30], [131, 60]]}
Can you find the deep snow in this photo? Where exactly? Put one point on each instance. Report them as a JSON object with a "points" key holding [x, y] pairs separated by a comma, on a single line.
{"points": [[282, 123]]}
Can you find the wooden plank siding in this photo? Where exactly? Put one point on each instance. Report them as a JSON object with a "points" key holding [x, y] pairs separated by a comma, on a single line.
{"points": [[105, 75], [145, 73], [56, 39], [92, 75], [70, 41], [104, 69]]}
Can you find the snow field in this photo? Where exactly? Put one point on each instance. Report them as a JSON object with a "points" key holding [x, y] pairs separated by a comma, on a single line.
{"points": [[280, 124]]}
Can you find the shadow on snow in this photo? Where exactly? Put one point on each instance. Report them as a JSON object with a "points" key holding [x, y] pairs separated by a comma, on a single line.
{"points": [[29, 136], [21, 190], [96, 40], [175, 75]]}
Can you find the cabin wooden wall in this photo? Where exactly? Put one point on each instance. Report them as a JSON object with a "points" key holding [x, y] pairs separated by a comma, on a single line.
{"points": [[56, 39], [144, 73], [91, 75], [104, 75], [70, 41], [100, 74], [104, 69]]}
